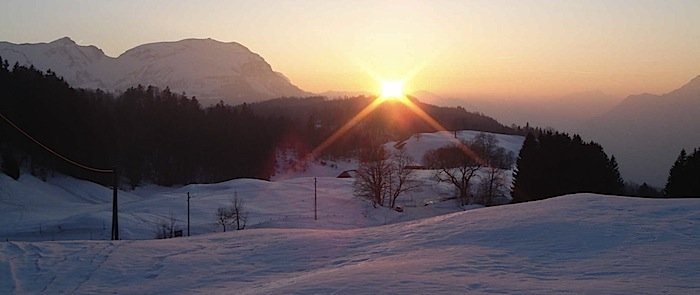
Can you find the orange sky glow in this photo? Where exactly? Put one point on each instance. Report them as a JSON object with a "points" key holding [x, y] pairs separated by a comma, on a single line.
{"points": [[451, 48]]}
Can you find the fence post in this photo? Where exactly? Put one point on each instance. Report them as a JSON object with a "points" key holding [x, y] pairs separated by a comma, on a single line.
{"points": [[115, 209], [188, 214]]}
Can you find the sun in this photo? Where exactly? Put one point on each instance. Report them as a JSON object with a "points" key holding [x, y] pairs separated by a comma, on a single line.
{"points": [[392, 89]]}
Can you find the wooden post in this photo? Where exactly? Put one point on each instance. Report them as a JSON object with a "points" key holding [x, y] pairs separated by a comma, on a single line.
{"points": [[115, 209], [315, 216], [188, 214]]}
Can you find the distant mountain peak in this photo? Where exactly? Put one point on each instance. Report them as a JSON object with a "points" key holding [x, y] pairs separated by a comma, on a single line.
{"points": [[648, 130], [63, 41], [694, 83], [692, 88], [191, 42]]}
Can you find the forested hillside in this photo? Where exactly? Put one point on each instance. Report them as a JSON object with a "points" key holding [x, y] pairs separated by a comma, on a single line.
{"points": [[146, 133], [156, 136]]}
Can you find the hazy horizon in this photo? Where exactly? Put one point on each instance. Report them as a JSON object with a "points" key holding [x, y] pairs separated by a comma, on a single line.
{"points": [[453, 49]]}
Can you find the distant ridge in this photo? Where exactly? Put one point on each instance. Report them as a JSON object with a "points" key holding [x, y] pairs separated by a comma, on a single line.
{"points": [[206, 68], [342, 94], [647, 131]]}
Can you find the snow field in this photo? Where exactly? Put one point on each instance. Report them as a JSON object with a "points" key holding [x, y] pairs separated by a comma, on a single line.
{"points": [[581, 244], [65, 208]]}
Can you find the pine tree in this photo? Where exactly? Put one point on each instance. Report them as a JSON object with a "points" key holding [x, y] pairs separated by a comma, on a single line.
{"points": [[683, 176], [645, 190], [525, 174], [616, 184], [675, 184]]}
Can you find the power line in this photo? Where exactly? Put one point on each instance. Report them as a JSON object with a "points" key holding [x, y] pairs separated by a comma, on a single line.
{"points": [[54, 152], [115, 187]]}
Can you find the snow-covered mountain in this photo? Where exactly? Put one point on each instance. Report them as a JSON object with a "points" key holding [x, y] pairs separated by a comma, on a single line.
{"points": [[81, 66], [206, 68], [646, 132]]}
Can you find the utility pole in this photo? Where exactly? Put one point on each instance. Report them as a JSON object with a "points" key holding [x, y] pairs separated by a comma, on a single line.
{"points": [[115, 211], [188, 214], [315, 216]]}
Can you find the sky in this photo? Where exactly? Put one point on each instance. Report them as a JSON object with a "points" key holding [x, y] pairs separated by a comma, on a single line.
{"points": [[451, 48]]}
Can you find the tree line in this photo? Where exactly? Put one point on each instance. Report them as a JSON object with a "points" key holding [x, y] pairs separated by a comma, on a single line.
{"points": [[553, 164], [148, 134], [684, 176]]}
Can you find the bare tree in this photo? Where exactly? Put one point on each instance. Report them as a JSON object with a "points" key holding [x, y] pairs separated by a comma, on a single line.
{"points": [[455, 165], [165, 229], [484, 145], [401, 177], [238, 212], [382, 178], [373, 176], [459, 164], [234, 214], [223, 217], [493, 181], [497, 160]]}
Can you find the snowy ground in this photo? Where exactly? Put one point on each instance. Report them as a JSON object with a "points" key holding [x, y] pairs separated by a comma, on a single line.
{"points": [[576, 244], [65, 208]]}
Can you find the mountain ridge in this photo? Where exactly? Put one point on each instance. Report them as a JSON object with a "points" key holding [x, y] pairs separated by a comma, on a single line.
{"points": [[647, 131], [206, 68]]}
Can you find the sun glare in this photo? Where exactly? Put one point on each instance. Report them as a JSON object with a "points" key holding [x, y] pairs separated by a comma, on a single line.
{"points": [[392, 89]]}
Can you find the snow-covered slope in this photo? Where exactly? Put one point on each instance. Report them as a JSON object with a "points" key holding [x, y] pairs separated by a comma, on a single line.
{"points": [[206, 68], [415, 146], [65, 208], [81, 66], [418, 145], [576, 244]]}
